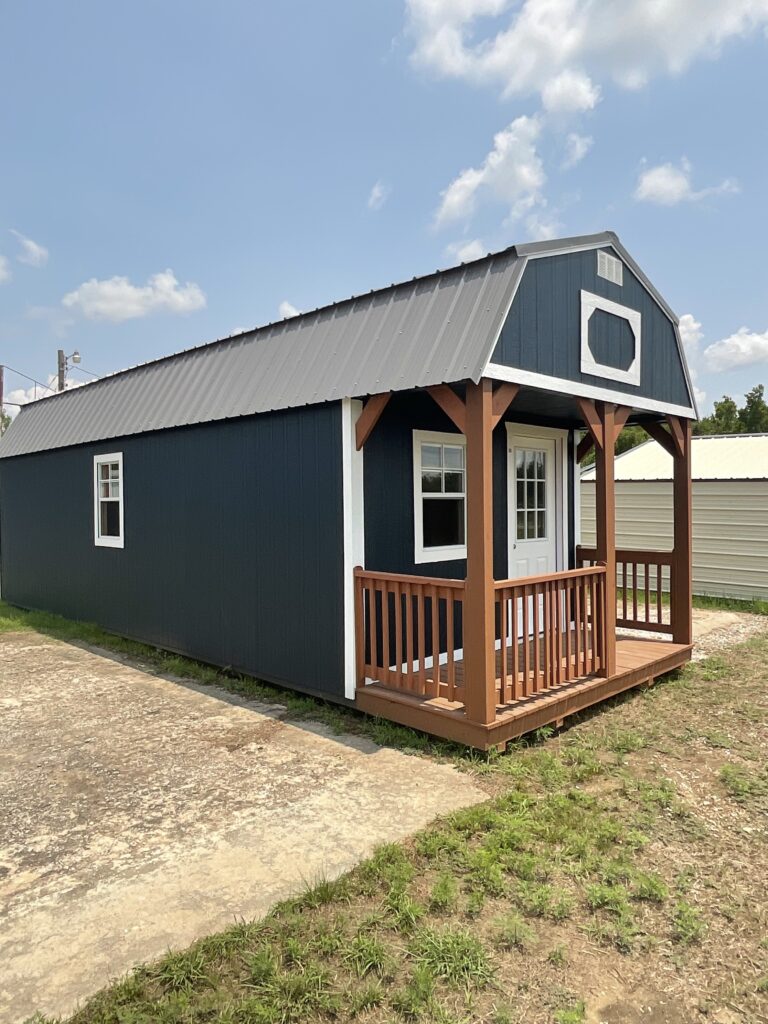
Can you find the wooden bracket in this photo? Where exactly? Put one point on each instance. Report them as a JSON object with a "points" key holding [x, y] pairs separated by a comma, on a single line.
{"points": [[591, 417], [587, 443], [369, 417], [658, 433], [677, 434], [451, 404], [503, 397]]}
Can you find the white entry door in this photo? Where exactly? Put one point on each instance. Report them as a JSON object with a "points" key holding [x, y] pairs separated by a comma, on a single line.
{"points": [[536, 507]]}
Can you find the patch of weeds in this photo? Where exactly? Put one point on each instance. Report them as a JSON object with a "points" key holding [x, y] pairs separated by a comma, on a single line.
{"points": [[390, 865], [558, 956], [575, 1014], [718, 740], [740, 784], [181, 972], [366, 954], [687, 925], [561, 907], [452, 954], [762, 985], [475, 904], [416, 996], [404, 911], [437, 843], [654, 795], [607, 896], [534, 899], [550, 769], [485, 872], [511, 932], [583, 762], [365, 998], [444, 893], [620, 932], [713, 668], [288, 995], [325, 891], [649, 886], [625, 741]]}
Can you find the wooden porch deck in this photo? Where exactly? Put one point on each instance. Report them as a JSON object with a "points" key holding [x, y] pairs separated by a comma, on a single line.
{"points": [[638, 662]]}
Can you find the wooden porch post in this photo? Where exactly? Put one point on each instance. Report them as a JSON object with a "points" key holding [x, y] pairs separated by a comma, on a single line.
{"points": [[479, 630], [605, 495], [681, 584]]}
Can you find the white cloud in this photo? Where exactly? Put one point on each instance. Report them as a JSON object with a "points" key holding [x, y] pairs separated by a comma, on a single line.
{"points": [[118, 299], [14, 399], [32, 253], [378, 195], [541, 227], [690, 335], [512, 172], [667, 185], [529, 44], [286, 309], [465, 252], [744, 348], [5, 270], [570, 92], [576, 148]]}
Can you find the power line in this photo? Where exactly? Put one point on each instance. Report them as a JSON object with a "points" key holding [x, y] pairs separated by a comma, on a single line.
{"points": [[82, 369], [27, 377]]}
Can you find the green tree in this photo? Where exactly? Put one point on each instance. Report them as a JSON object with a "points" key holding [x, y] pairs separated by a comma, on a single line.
{"points": [[724, 419], [753, 416], [5, 422]]}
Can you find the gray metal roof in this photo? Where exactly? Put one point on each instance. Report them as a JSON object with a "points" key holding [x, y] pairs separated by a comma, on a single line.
{"points": [[441, 328]]}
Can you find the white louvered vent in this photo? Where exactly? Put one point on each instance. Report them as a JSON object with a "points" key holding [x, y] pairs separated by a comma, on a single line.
{"points": [[610, 268]]}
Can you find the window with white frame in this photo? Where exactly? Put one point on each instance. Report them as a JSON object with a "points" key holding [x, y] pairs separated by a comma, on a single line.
{"points": [[440, 496], [108, 500]]}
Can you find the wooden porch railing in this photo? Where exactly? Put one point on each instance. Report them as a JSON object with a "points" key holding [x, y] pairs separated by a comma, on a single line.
{"points": [[642, 579], [409, 632], [550, 630]]}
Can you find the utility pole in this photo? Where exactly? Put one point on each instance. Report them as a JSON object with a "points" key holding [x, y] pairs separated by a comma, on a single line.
{"points": [[62, 369]]}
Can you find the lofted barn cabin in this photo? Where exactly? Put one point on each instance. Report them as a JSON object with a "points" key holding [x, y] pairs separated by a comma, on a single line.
{"points": [[377, 502]]}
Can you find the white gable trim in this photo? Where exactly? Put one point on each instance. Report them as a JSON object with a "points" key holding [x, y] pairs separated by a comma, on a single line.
{"points": [[496, 371]]}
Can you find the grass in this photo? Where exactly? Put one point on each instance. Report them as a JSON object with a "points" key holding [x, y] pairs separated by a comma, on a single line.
{"points": [[754, 606], [587, 861]]}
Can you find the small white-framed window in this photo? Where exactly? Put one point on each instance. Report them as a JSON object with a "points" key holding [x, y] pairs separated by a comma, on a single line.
{"points": [[108, 500], [439, 496]]}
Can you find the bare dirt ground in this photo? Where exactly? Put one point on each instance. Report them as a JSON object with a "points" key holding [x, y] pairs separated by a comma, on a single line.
{"points": [[138, 813]]}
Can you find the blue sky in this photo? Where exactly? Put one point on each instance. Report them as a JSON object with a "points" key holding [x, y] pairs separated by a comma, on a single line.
{"points": [[174, 172]]}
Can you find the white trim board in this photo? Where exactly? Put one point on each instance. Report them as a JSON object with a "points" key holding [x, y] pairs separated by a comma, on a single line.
{"points": [[496, 371], [353, 531], [590, 303]]}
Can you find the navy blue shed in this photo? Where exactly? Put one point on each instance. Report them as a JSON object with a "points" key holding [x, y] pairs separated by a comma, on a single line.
{"points": [[296, 502]]}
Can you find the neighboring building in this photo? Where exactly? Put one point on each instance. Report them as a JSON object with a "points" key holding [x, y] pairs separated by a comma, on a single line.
{"points": [[222, 502], [730, 510]]}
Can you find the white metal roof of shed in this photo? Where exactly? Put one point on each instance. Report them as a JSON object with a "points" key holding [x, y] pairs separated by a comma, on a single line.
{"points": [[713, 457]]}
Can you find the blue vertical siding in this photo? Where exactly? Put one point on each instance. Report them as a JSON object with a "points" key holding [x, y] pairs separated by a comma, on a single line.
{"points": [[233, 543], [542, 332]]}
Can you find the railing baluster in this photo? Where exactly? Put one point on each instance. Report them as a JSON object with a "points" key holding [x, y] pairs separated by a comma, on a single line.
{"points": [[536, 645], [421, 640], [526, 644], [398, 610], [503, 687], [449, 633], [514, 643]]}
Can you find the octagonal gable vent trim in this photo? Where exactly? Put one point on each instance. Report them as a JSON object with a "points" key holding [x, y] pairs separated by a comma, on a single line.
{"points": [[590, 303]]}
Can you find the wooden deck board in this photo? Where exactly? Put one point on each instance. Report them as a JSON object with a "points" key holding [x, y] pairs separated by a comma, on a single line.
{"points": [[637, 661]]}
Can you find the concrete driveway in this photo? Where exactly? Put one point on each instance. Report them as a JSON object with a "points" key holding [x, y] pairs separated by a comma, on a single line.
{"points": [[138, 813]]}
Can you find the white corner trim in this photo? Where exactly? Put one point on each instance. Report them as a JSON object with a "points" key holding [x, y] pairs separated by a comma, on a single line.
{"points": [[353, 532], [590, 303], [98, 540], [497, 371], [422, 555]]}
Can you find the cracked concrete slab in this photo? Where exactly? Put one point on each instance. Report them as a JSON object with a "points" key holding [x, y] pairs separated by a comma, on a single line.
{"points": [[138, 813]]}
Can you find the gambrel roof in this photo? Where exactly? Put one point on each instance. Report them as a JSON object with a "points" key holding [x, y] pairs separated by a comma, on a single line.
{"points": [[441, 328]]}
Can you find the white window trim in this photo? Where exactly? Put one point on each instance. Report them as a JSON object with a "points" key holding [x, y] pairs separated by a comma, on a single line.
{"points": [[453, 551], [99, 541], [589, 304]]}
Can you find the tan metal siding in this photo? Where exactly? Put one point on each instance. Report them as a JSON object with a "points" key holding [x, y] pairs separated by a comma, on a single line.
{"points": [[730, 530]]}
